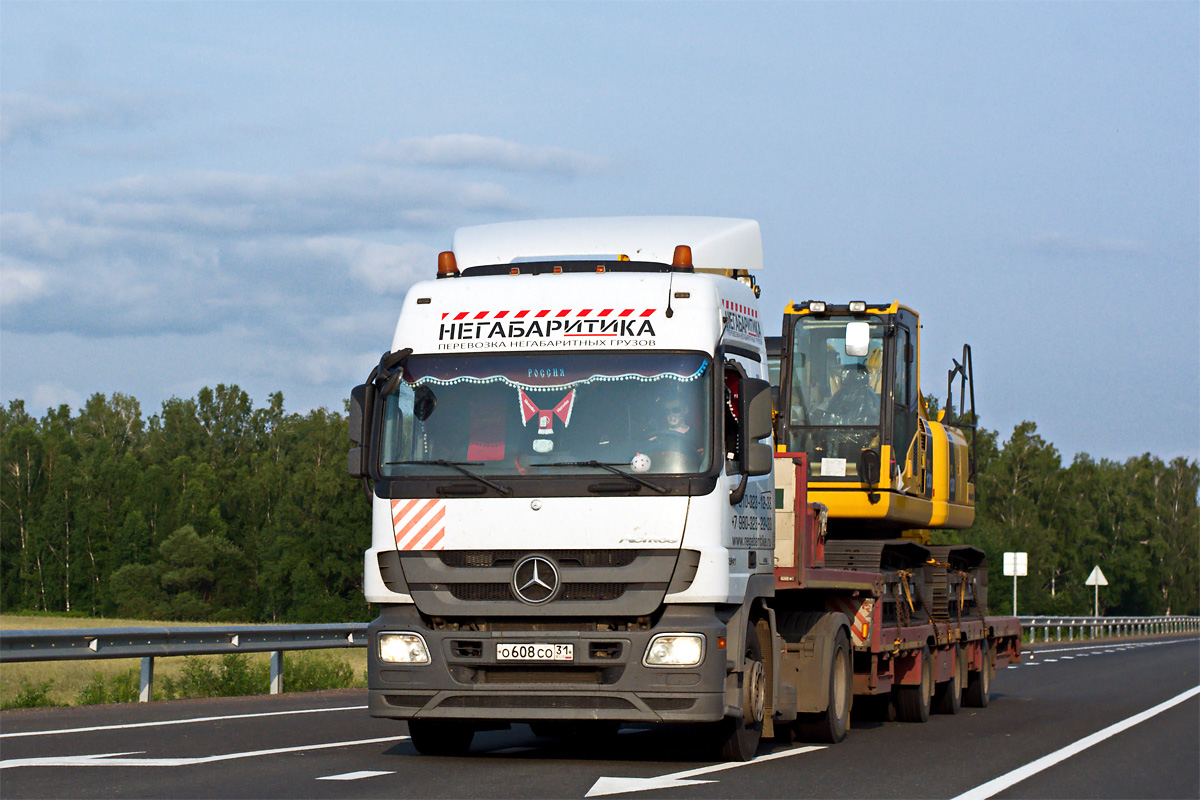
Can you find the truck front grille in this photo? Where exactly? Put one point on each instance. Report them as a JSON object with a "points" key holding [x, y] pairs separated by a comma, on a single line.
{"points": [[567, 558]]}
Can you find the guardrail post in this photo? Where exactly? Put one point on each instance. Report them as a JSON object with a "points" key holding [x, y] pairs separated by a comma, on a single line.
{"points": [[146, 694], [1058, 634], [277, 672]]}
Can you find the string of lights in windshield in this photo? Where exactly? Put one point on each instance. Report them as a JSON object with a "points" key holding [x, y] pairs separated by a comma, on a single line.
{"points": [[471, 379]]}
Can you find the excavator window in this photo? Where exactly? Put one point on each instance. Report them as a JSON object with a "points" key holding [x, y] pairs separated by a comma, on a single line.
{"points": [[835, 398]]}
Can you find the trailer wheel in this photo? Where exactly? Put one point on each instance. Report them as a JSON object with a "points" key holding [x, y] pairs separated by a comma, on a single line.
{"points": [[830, 726], [979, 684], [739, 736], [440, 737], [913, 702], [948, 695]]}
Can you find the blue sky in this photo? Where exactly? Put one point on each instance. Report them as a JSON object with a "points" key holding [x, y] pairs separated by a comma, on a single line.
{"points": [[209, 193]]}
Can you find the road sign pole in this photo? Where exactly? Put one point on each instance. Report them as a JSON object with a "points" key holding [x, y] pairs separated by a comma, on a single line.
{"points": [[1096, 608], [1014, 595]]}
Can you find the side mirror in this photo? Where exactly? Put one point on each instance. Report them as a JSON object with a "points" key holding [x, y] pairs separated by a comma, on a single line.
{"points": [[868, 467], [760, 459], [362, 407], [858, 339], [754, 399]]}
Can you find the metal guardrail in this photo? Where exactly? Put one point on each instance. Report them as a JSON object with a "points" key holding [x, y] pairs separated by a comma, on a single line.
{"points": [[1103, 627], [151, 643]]}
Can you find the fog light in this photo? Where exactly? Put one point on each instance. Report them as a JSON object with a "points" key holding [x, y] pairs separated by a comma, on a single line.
{"points": [[675, 650], [857, 306], [403, 648], [816, 306]]}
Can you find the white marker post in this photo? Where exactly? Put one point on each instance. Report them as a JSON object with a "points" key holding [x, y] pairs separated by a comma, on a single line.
{"points": [[1096, 579], [1017, 565]]}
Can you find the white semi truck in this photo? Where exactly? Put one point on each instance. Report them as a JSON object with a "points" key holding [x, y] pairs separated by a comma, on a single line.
{"points": [[569, 452], [581, 517]]}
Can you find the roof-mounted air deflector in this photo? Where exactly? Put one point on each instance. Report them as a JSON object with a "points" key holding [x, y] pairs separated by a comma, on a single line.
{"points": [[716, 243]]}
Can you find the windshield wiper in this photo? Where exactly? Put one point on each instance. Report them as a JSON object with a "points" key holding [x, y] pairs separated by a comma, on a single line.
{"points": [[609, 467], [459, 465]]}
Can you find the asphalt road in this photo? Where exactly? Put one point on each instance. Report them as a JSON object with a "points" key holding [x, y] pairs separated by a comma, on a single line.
{"points": [[1063, 724]]}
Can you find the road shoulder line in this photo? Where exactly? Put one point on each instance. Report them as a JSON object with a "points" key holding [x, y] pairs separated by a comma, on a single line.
{"points": [[997, 785]]}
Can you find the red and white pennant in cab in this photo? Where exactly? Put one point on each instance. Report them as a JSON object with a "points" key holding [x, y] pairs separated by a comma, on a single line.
{"points": [[546, 417], [419, 524]]}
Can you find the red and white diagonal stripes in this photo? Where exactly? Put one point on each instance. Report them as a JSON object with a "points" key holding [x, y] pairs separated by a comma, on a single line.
{"points": [[860, 612], [419, 524], [534, 313]]}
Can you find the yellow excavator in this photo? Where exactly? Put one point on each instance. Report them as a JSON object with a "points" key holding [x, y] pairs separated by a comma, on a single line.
{"points": [[885, 471], [849, 398]]}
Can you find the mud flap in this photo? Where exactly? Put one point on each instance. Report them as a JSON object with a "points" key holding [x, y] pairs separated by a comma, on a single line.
{"points": [[808, 653]]}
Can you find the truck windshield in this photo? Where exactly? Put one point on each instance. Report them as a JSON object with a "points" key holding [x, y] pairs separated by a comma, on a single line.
{"points": [[836, 398], [538, 414]]}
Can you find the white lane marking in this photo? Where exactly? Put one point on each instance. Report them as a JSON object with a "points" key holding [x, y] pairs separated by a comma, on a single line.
{"points": [[117, 759], [997, 785], [178, 721], [1102, 646], [354, 776], [604, 786], [1050, 661], [1067, 658]]}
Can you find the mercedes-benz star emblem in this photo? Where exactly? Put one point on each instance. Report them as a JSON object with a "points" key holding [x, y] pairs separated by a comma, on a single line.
{"points": [[535, 580]]}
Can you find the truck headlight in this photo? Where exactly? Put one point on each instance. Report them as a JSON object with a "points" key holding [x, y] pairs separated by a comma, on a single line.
{"points": [[675, 650], [403, 648]]}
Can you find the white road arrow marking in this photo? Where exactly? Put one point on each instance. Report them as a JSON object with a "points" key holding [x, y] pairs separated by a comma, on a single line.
{"points": [[354, 776], [606, 785], [119, 760]]}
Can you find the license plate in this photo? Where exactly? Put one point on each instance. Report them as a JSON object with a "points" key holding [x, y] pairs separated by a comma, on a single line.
{"points": [[535, 652]]}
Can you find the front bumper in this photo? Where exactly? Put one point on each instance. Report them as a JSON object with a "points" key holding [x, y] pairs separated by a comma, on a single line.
{"points": [[605, 681]]}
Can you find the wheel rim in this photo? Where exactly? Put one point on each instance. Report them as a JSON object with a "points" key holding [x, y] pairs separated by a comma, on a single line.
{"points": [[839, 685], [757, 692], [927, 677]]}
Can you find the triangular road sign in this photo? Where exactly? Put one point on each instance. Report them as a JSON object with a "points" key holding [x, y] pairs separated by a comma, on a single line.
{"points": [[1096, 578]]}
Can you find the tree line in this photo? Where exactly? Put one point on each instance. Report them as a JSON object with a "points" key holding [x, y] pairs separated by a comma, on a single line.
{"points": [[215, 510]]}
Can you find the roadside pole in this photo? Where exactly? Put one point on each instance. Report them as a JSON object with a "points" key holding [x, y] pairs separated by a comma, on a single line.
{"points": [[1016, 564]]}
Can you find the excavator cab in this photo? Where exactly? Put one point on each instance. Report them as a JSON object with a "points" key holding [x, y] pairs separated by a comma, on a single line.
{"points": [[849, 398]]}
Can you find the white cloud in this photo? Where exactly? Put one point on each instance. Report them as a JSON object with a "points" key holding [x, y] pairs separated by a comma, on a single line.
{"points": [[52, 395], [20, 284], [237, 204], [35, 117], [461, 150]]}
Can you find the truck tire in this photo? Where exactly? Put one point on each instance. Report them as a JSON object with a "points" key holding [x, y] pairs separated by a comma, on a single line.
{"points": [[739, 737], [913, 702], [875, 708], [947, 698], [440, 737], [830, 726], [979, 684]]}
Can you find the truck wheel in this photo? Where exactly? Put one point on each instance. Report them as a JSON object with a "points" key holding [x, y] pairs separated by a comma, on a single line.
{"points": [[979, 684], [440, 737], [739, 736], [875, 708], [948, 695], [830, 726], [913, 702]]}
